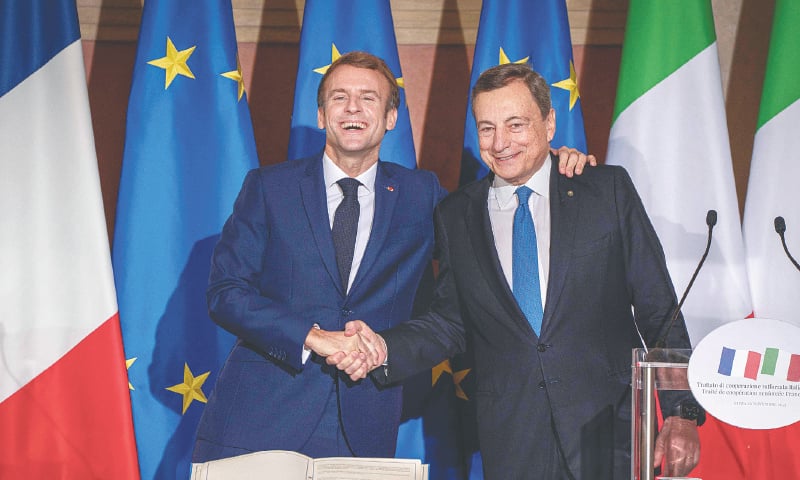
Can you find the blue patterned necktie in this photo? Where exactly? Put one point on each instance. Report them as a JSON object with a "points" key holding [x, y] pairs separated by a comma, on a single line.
{"points": [[525, 262], [345, 227]]}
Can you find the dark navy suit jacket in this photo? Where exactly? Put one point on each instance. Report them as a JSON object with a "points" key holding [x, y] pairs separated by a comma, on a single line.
{"points": [[274, 275], [571, 385]]}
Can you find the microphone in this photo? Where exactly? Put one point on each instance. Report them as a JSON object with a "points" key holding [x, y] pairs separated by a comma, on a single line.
{"points": [[780, 229], [711, 220]]}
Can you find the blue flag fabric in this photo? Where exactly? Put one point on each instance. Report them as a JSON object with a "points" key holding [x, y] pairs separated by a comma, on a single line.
{"points": [[330, 29], [534, 32], [188, 146]]}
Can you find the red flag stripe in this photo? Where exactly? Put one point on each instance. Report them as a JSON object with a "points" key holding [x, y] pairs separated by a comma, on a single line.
{"points": [[752, 365], [40, 419], [793, 375]]}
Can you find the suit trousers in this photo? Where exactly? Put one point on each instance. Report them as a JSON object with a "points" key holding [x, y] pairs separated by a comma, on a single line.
{"points": [[328, 440]]}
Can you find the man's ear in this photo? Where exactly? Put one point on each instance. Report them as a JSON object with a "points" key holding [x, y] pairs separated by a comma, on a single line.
{"points": [[391, 119], [550, 122], [320, 118]]}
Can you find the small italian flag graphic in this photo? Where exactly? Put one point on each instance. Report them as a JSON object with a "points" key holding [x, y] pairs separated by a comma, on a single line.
{"points": [[748, 364]]}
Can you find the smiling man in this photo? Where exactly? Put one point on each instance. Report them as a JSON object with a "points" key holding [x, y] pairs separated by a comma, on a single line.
{"points": [[552, 281], [312, 244]]}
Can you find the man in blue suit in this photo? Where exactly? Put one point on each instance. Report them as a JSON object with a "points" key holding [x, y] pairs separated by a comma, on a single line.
{"points": [[311, 245], [551, 281]]}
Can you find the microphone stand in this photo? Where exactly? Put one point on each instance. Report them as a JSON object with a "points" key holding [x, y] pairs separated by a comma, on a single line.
{"points": [[780, 229], [711, 220]]}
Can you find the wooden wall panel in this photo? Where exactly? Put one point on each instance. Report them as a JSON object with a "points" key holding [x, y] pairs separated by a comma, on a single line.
{"points": [[417, 22]]}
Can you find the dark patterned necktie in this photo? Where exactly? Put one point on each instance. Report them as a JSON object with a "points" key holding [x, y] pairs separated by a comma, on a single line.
{"points": [[345, 227]]}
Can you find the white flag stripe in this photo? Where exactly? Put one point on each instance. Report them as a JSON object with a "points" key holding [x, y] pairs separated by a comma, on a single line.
{"points": [[739, 363], [674, 142], [782, 364], [52, 228], [773, 191]]}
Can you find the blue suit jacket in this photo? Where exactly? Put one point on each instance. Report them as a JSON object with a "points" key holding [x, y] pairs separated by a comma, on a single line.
{"points": [[571, 385], [274, 275]]}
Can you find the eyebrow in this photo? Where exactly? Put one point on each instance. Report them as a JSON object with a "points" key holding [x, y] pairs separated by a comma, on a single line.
{"points": [[360, 92], [509, 119]]}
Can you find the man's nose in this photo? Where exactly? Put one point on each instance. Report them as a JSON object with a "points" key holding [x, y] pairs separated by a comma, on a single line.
{"points": [[353, 104], [501, 140]]}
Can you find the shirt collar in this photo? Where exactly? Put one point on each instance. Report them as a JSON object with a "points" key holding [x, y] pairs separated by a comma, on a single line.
{"points": [[332, 174], [539, 183]]}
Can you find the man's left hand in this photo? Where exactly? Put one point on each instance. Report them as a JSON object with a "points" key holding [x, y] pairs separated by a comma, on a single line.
{"points": [[571, 161], [678, 447]]}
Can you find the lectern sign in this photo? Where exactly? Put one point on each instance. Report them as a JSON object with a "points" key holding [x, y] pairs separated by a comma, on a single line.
{"points": [[747, 373]]}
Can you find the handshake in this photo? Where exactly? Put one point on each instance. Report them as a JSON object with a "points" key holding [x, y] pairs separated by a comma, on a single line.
{"points": [[356, 351]]}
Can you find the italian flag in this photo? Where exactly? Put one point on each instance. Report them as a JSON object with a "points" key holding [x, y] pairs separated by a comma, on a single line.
{"points": [[772, 190], [670, 132], [64, 401]]}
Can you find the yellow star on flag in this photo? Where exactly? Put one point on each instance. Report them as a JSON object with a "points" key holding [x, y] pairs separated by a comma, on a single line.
{"points": [[570, 84], [236, 76], [191, 388], [174, 63], [335, 56], [444, 367], [128, 364], [504, 58], [458, 377]]}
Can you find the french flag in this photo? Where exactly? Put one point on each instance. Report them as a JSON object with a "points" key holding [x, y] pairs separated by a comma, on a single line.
{"points": [[64, 398], [739, 363]]}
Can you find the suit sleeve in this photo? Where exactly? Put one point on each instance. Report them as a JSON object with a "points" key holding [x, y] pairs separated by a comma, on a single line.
{"points": [[424, 341], [653, 295], [234, 301]]}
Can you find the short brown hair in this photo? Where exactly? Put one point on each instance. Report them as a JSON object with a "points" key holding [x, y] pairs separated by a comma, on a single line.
{"points": [[502, 75], [369, 62]]}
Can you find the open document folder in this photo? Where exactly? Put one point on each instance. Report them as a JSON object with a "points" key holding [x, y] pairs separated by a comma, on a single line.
{"points": [[285, 465]]}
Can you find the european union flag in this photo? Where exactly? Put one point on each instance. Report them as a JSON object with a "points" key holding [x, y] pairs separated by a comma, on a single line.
{"points": [[330, 29], [188, 145], [534, 32]]}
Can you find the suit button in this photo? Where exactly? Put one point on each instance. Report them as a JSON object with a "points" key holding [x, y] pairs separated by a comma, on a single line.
{"points": [[542, 347], [346, 313], [542, 384]]}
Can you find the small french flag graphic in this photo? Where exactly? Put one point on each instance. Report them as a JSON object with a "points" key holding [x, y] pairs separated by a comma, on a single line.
{"points": [[739, 363], [748, 364]]}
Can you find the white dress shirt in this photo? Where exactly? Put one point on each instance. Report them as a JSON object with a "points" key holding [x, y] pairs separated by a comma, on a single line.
{"points": [[503, 204], [366, 202]]}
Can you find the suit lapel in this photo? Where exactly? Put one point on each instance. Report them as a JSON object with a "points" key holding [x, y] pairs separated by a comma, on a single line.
{"points": [[315, 203], [479, 229], [386, 194], [563, 217]]}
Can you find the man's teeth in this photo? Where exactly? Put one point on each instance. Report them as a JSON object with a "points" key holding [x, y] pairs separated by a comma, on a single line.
{"points": [[353, 126]]}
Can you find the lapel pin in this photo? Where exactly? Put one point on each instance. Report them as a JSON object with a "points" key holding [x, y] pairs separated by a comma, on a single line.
{"points": [[390, 188], [570, 193]]}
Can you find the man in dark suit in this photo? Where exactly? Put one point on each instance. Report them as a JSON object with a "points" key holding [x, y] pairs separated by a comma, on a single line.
{"points": [[312, 244], [551, 281]]}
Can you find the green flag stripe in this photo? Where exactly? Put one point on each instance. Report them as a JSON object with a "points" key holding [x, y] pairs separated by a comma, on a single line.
{"points": [[660, 36], [770, 361], [782, 77]]}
